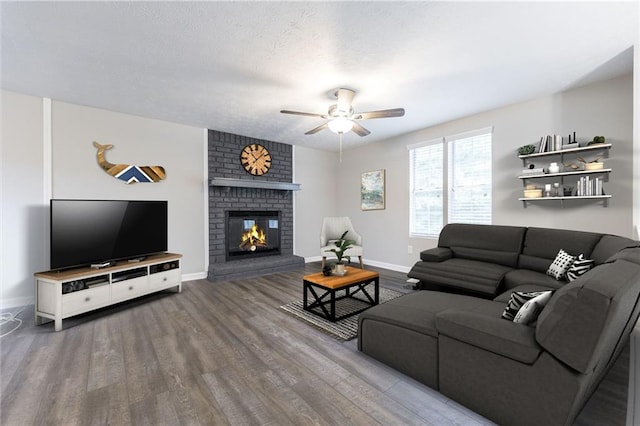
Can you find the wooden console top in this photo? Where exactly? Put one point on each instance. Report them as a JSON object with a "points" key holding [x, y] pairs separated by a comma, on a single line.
{"points": [[71, 274]]}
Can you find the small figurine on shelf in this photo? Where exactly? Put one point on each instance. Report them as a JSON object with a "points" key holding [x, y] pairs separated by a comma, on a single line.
{"points": [[547, 190]]}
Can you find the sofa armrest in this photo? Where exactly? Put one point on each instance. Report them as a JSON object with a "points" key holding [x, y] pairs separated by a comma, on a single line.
{"points": [[437, 254], [497, 335]]}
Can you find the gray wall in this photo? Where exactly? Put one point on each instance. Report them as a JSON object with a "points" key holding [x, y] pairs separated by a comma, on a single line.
{"points": [[603, 108]]}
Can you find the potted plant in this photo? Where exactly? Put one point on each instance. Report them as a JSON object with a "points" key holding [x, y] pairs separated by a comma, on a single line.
{"points": [[342, 245]]}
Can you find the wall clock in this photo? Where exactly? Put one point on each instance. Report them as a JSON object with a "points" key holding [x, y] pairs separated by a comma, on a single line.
{"points": [[255, 159]]}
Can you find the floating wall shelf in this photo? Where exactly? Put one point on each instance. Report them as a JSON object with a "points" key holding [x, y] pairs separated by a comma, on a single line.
{"points": [[249, 183]]}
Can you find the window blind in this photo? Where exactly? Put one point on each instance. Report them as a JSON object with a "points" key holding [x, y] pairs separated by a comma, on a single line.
{"points": [[469, 179], [459, 163], [427, 183]]}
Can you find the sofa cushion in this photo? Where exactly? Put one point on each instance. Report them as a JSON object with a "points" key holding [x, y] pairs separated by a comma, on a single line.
{"points": [[631, 254], [609, 245], [571, 325], [483, 255], [519, 277], [473, 275], [490, 243], [417, 311], [560, 265], [482, 327], [541, 245]]}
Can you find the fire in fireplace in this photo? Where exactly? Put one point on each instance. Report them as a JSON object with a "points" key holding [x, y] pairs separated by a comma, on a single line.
{"points": [[252, 233]]}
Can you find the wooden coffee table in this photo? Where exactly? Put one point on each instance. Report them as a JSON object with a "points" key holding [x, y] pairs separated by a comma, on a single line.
{"points": [[322, 291]]}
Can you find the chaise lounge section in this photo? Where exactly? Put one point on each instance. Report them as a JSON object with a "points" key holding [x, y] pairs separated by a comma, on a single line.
{"points": [[512, 373]]}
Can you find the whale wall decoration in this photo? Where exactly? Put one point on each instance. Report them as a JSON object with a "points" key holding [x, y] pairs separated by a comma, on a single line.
{"points": [[127, 173]]}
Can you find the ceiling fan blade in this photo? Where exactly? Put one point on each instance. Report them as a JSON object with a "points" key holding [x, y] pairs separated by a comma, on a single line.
{"points": [[317, 129], [308, 114], [345, 97], [359, 130], [396, 112]]}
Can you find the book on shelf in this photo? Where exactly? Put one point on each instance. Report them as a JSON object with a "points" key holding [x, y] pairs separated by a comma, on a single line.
{"points": [[543, 142], [551, 143], [588, 187]]}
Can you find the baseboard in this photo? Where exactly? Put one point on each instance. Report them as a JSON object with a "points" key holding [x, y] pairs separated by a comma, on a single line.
{"points": [[389, 266], [16, 302], [194, 276]]}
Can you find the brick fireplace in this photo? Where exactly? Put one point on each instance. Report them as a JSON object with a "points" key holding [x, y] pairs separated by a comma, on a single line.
{"points": [[257, 194]]}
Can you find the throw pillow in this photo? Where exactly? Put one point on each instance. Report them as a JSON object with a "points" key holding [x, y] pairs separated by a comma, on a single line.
{"points": [[517, 301], [560, 265], [529, 312], [579, 267]]}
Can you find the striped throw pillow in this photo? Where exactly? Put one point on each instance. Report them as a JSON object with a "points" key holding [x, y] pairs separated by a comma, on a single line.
{"points": [[529, 312], [579, 267], [517, 301]]}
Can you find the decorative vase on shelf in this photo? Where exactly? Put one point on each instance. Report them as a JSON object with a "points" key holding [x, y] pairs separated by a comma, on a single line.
{"points": [[554, 168]]}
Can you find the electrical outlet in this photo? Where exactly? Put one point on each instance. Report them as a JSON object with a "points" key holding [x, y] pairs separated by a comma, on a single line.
{"points": [[410, 249]]}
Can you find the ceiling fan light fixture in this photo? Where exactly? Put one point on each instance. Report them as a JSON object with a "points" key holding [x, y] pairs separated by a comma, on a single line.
{"points": [[340, 125]]}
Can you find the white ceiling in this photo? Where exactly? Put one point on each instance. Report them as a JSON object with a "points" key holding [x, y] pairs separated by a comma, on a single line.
{"points": [[232, 66]]}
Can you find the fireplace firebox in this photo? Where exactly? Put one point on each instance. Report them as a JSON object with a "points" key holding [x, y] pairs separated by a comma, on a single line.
{"points": [[252, 234]]}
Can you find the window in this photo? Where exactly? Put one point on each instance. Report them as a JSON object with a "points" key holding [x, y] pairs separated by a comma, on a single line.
{"points": [[462, 165]]}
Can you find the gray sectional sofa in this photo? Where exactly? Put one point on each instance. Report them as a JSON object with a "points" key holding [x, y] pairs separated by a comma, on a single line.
{"points": [[514, 374]]}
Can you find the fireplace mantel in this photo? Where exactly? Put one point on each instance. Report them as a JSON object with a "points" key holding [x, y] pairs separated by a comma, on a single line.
{"points": [[249, 183]]}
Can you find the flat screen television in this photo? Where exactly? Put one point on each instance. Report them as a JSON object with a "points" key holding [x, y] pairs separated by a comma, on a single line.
{"points": [[86, 232]]}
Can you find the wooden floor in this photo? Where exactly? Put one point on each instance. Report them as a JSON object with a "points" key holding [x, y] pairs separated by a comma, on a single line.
{"points": [[223, 353]]}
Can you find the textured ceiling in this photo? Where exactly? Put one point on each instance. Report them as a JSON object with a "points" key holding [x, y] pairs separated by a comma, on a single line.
{"points": [[232, 66]]}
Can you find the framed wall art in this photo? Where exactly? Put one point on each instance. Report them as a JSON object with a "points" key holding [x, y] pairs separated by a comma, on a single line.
{"points": [[372, 190]]}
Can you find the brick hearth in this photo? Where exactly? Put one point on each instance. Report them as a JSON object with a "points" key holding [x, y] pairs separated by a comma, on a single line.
{"points": [[224, 162]]}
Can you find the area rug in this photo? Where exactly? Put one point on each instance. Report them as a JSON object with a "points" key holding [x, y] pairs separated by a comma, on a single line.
{"points": [[345, 329]]}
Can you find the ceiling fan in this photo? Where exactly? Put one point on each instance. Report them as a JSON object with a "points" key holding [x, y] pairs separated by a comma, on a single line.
{"points": [[341, 117]]}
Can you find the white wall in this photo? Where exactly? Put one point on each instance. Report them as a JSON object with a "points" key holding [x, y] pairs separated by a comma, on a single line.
{"points": [[22, 215], [603, 108], [70, 160]]}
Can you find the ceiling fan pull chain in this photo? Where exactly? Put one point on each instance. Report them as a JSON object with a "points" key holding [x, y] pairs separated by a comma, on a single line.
{"points": [[341, 147]]}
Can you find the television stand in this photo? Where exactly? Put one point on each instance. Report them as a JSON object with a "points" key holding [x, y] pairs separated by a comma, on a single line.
{"points": [[63, 294]]}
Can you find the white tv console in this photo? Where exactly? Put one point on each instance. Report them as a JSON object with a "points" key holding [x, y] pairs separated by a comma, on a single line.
{"points": [[63, 294]]}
